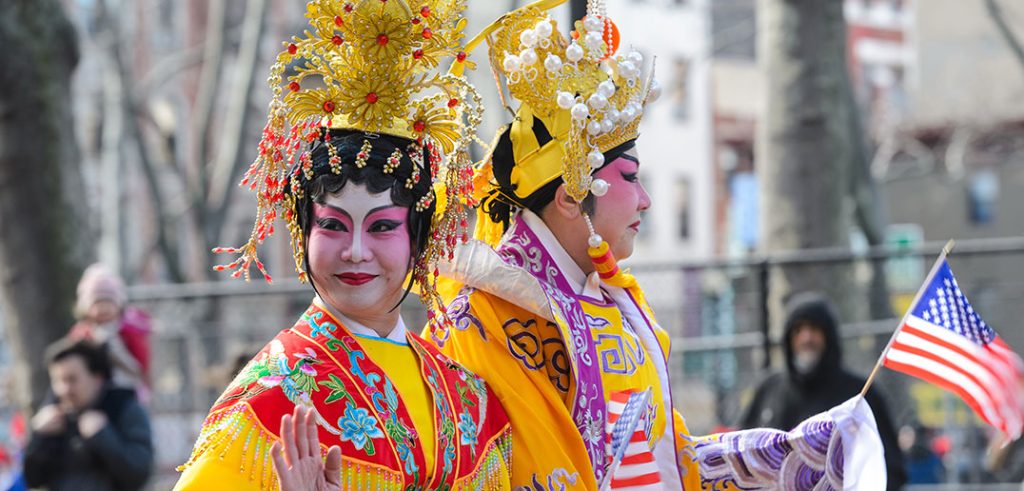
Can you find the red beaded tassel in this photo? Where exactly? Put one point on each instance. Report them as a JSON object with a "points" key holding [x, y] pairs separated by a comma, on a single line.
{"points": [[604, 261]]}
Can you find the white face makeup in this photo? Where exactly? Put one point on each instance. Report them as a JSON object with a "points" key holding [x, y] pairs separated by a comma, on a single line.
{"points": [[360, 254]]}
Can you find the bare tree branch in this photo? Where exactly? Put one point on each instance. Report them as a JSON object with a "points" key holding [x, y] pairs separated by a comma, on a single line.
{"points": [[996, 13], [209, 82], [229, 164], [164, 222]]}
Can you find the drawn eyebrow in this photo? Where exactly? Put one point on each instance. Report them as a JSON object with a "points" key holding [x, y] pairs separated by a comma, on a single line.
{"points": [[381, 208], [630, 158], [335, 208]]}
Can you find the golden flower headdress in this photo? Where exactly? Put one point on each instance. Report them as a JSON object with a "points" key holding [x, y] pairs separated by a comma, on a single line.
{"points": [[370, 66], [589, 98]]}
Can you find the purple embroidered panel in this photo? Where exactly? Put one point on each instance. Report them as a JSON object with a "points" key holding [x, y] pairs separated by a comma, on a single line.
{"points": [[810, 457], [524, 249]]}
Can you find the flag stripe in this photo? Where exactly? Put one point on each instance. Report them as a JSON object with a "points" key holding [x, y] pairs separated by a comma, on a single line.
{"points": [[942, 376], [997, 365], [988, 370], [636, 469], [988, 398], [915, 342]]}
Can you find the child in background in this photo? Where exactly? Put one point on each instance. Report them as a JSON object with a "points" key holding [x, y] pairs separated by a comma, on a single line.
{"points": [[104, 318]]}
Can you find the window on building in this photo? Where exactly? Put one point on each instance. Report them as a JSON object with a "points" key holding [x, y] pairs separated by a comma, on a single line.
{"points": [[680, 88], [982, 195], [683, 207]]}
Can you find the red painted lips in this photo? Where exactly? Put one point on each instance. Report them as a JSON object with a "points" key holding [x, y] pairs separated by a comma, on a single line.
{"points": [[355, 279]]}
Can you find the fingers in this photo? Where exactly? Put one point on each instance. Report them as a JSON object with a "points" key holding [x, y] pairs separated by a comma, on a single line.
{"points": [[288, 439], [301, 434], [280, 466], [332, 468], [312, 438]]}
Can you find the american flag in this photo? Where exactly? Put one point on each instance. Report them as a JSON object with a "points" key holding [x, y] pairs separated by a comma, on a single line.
{"points": [[631, 465], [945, 342]]}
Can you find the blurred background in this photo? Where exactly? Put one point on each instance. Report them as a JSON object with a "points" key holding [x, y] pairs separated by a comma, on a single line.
{"points": [[830, 145]]}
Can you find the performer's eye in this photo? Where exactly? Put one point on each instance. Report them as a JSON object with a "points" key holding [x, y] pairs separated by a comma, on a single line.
{"points": [[629, 176], [384, 226], [332, 224]]}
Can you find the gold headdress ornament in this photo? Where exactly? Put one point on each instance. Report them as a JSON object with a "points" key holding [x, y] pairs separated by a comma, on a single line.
{"points": [[589, 98], [367, 65]]}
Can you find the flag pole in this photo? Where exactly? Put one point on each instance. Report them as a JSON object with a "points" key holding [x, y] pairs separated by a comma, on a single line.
{"points": [[946, 249]]}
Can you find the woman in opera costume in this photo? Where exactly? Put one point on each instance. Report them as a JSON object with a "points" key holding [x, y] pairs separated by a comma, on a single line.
{"points": [[357, 137], [564, 337]]}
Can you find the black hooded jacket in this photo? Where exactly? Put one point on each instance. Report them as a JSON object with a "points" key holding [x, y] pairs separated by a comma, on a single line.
{"points": [[117, 458], [784, 399]]}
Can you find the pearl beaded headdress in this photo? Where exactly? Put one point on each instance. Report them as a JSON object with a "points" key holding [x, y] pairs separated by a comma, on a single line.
{"points": [[589, 98]]}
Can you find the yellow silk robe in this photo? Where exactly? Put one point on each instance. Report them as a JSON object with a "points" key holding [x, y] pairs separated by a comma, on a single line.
{"points": [[513, 311], [552, 343]]}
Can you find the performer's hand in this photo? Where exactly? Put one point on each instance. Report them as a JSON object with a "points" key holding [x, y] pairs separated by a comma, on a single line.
{"points": [[298, 464]]}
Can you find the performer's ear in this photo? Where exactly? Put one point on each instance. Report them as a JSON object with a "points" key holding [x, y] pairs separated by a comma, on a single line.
{"points": [[564, 205]]}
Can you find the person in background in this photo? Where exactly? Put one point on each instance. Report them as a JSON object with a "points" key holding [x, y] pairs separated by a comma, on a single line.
{"points": [[93, 435], [105, 319], [815, 380], [924, 466]]}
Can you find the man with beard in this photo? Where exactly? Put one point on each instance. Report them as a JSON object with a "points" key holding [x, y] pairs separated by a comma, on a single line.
{"points": [[815, 380]]}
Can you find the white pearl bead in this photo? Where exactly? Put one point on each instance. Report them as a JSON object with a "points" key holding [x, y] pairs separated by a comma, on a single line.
{"points": [[528, 56], [594, 127], [565, 100], [597, 102], [607, 126], [626, 68], [580, 111], [655, 91], [543, 29], [628, 115], [593, 40], [595, 241], [595, 159], [553, 63], [599, 187], [574, 52], [528, 38], [512, 63], [593, 24], [635, 57], [612, 115], [606, 89]]}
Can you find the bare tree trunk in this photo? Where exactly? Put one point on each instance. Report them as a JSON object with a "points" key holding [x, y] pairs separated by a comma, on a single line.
{"points": [[43, 247], [867, 204], [803, 142]]}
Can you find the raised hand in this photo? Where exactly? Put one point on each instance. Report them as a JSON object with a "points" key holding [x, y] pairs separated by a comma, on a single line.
{"points": [[297, 456]]}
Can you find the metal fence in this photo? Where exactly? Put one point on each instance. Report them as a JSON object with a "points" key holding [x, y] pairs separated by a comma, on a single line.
{"points": [[719, 314]]}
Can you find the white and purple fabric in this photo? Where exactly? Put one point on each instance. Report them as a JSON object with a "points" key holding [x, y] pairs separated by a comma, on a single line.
{"points": [[836, 450]]}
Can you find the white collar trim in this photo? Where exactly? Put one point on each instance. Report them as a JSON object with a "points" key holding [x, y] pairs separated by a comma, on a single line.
{"points": [[565, 263], [396, 335]]}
